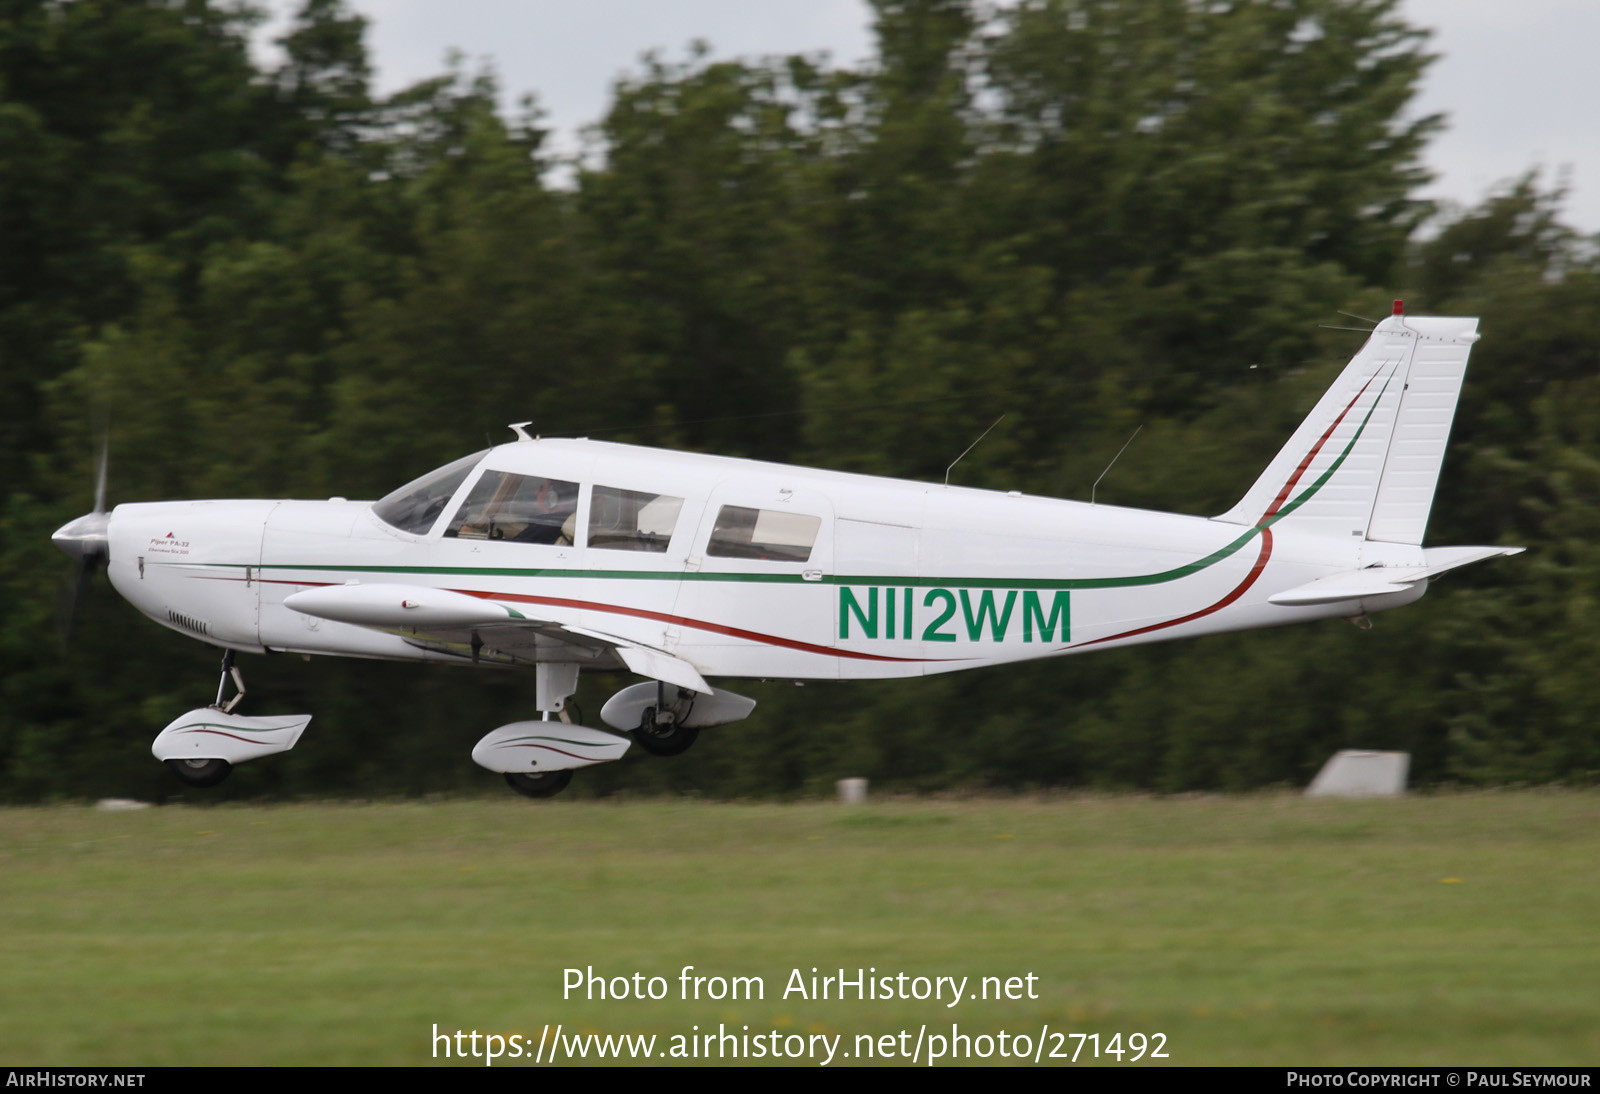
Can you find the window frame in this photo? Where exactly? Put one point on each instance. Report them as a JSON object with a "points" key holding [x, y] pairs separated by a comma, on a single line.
{"points": [[716, 523], [632, 546]]}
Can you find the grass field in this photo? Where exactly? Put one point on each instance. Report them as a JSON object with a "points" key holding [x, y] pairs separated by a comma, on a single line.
{"points": [[1449, 929]]}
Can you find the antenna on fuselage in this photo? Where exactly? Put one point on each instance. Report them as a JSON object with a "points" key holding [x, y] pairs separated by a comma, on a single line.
{"points": [[969, 448], [1113, 462], [519, 428]]}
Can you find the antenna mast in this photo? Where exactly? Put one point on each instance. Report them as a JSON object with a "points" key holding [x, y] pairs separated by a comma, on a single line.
{"points": [[1114, 459], [969, 448]]}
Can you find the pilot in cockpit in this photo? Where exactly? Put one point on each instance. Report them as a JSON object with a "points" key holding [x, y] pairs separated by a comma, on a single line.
{"points": [[519, 508], [546, 514]]}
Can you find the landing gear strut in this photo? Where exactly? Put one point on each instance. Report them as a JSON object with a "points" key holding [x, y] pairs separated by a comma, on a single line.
{"points": [[229, 669]]}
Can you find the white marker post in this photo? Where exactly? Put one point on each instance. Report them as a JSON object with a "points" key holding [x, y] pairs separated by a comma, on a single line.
{"points": [[1358, 773]]}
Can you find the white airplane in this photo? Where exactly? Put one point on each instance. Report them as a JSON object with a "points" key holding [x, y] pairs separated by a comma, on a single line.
{"points": [[569, 555]]}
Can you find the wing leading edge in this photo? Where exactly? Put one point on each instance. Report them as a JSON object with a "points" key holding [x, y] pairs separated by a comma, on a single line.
{"points": [[475, 625]]}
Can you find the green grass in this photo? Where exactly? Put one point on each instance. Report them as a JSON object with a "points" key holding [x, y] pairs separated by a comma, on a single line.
{"points": [[1249, 930]]}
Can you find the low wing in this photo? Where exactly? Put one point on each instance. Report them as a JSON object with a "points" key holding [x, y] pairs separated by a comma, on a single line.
{"points": [[485, 629]]}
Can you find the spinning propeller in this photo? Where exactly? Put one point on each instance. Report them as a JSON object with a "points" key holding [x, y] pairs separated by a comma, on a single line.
{"points": [[85, 540]]}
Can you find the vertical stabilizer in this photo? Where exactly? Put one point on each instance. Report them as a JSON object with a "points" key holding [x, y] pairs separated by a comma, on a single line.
{"points": [[1366, 460]]}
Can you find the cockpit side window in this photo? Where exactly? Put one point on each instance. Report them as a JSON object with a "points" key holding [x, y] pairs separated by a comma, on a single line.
{"points": [[631, 520], [416, 505], [519, 508], [767, 534]]}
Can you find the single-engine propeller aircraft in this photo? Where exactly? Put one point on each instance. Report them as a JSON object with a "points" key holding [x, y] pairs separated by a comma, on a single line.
{"points": [[569, 555]]}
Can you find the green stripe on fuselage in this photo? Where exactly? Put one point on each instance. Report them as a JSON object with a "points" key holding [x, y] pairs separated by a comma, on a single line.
{"points": [[1129, 581]]}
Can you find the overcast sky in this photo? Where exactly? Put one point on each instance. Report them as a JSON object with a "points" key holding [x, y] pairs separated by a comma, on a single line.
{"points": [[1517, 79]]}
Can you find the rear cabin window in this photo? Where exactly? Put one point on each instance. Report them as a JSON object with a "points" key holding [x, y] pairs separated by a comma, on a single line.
{"points": [[416, 505], [518, 508], [631, 520], [766, 534]]}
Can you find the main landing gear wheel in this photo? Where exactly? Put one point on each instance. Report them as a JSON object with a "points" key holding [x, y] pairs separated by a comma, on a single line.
{"points": [[201, 773], [661, 730], [671, 739], [544, 784]]}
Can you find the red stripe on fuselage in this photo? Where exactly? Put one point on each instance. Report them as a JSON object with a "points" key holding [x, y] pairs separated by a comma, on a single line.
{"points": [[1283, 495], [638, 613], [1239, 590], [697, 624], [1266, 536]]}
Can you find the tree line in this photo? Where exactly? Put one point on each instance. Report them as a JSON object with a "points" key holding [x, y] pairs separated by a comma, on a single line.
{"points": [[264, 279]]}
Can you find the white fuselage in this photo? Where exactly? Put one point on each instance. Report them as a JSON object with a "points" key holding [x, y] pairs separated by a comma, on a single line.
{"points": [[901, 579]]}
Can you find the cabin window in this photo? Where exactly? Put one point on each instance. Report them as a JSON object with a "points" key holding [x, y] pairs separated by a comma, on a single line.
{"points": [[416, 505], [766, 534], [631, 520], [518, 508]]}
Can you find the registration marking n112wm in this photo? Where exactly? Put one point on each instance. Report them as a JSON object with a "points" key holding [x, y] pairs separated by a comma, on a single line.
{"points": [[953, 614]]}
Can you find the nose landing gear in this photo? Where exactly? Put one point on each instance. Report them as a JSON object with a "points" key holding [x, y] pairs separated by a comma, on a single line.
{"points": [[202, 746], [202, 773]]}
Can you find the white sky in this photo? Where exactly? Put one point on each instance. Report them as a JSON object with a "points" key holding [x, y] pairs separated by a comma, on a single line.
{"points": [[1517, 79]]}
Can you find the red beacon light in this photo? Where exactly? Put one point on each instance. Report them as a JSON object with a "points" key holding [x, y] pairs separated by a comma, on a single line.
{"points": [[1399, 307]]}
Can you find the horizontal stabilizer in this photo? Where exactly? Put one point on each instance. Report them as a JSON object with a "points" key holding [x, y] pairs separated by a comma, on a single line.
{"points": [[1438, 560], [1350, 585], [1384, 580]]}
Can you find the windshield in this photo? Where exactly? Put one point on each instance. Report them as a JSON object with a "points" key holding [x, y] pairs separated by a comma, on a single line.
{"points": [[416, 505]]}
